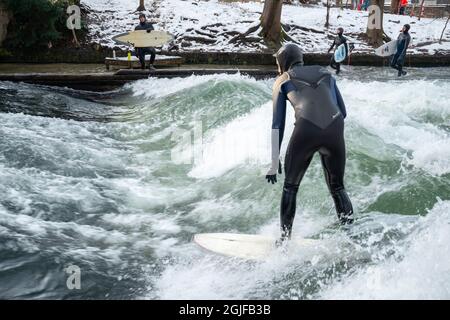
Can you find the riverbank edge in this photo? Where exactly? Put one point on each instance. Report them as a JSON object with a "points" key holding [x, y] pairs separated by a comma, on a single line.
{"points": [[110, 81], [97, 55]]}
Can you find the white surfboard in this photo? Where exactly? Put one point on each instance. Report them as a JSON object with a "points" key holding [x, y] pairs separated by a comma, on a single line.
{"points": [[246, 246], [339, 54], [143, 39], [387, 49]]}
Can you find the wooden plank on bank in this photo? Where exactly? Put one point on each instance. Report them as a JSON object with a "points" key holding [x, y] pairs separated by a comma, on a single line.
{"points": [[160, 61]]}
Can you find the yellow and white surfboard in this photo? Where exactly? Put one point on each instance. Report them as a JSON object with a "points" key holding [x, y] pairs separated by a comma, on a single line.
{"points": [[143, 39]]}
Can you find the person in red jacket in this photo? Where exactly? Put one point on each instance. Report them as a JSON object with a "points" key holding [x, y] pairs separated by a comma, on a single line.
{"points": [[403, 4]]}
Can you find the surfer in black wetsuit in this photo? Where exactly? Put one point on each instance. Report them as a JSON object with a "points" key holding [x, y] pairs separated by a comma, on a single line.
{"points": [[141, 52], [340, 39], [402, 44], [319, 127]]}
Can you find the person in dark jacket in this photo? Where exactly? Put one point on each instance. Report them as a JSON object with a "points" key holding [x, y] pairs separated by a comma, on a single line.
{"points": [[403, 41], [319, 127], [340, 39], [141, 52]]}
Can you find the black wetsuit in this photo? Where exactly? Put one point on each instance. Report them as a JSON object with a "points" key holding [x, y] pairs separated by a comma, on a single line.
{"points": [[340, 39], [398, 59], [141, 52], [319, 127]]}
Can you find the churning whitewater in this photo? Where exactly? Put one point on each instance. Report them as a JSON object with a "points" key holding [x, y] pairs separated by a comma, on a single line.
{"points": [[117, 184]]}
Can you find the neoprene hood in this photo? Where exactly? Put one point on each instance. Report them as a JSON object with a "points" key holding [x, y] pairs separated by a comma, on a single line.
{"points": [[288, 55]]}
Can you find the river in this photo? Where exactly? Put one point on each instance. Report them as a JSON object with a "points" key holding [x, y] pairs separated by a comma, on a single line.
{"points": [[117, 183]]}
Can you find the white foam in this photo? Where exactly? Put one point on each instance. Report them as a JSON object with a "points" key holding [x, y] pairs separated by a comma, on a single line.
{"points": [[156, 222], [422, 273], [393, 116], [245, 138], [161, 87], [243, 141]]}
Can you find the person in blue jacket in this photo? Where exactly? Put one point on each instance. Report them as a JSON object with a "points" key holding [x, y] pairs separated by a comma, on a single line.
{"points": [[319, 127]]}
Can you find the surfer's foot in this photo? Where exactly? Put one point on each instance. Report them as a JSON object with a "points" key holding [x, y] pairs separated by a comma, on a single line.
{"points": [[404, 73], [281, 242], [344, 208], [346, 219], [337, 71], [151, 68]]}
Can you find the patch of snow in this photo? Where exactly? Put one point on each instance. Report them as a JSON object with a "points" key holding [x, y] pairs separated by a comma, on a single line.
{"points": [[200, 25]]}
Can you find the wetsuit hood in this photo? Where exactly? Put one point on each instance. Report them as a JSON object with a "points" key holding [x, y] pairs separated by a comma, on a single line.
{"points": [[288, 55], [406, 28], [142, 23]]}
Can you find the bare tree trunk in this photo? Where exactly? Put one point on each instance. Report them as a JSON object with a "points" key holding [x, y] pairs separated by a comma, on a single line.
{"points": [[395, 6], [340, 4], [412, 10], [421, 9], [75, 39], [442, 34], [271, 21], [141, 6], [327, 20], [375, 23]]}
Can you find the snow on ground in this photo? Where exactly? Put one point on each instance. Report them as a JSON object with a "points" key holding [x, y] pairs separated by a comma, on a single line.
{"points": [[203, 25]]}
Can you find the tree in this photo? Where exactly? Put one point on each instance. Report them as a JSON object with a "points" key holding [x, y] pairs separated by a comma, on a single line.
{"points": [[25, 32], [271, 21], [141, 6], [375, 31], [269, 27], [442, 34], [327, 19], [421, 9], [394, 6]]}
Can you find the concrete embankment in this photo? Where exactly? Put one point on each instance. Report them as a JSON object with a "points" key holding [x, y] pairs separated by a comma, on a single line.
{"points": [[96, 54], [109, 81]]}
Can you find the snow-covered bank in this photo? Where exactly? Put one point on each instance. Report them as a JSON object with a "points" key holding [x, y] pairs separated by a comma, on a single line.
{"points": [[200, 25]]}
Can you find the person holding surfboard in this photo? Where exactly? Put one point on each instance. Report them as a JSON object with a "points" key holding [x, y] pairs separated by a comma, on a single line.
{"points": [[319, 127], [338, 40], [402, 44], [141, 52]]}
